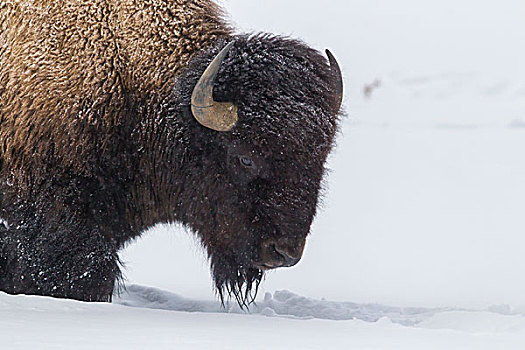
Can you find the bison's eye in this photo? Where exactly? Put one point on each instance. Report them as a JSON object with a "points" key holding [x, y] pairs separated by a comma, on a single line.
{"points": [[245, 161]]}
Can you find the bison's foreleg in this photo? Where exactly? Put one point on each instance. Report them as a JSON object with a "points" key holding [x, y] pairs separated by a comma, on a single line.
{"points": [[51, 250]]}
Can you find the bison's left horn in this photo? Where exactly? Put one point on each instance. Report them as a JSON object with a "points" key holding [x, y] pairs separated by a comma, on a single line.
{"points": [[334, 67], [219, 116]]}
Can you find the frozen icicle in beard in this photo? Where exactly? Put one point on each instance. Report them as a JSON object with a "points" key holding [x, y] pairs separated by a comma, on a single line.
{"points": [[266, 168], [237, 282]]}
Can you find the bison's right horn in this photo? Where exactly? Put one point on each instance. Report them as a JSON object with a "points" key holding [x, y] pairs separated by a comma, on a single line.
{"points": [[334, 67], [219, 116]]}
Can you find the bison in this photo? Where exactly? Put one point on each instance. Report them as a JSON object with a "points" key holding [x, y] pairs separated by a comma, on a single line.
{"points": [[116, 115]]}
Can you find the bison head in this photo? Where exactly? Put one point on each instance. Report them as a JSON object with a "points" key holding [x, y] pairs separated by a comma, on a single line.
{"points": [[261, 114]]}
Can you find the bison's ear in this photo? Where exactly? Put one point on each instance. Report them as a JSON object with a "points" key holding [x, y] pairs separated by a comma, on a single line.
{"points": [[338, 88], [219, 116]]}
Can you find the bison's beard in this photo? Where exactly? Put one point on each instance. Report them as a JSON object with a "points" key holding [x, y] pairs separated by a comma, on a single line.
{"points": [[237, 280]]}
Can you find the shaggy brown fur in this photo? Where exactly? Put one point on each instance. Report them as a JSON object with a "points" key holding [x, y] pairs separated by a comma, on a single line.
{"points": [[98, 142], [61, 57]]}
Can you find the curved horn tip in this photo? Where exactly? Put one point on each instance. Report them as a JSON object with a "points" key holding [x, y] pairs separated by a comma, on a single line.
{"points": [[329, 54], [224, 51], [334, 67]]}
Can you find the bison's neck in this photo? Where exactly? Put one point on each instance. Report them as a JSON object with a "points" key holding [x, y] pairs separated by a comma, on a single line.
{"points": [[175, 179], [162, 151]]}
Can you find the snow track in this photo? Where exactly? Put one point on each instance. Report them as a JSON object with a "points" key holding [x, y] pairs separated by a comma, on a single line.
{"points": [[280, 304]]}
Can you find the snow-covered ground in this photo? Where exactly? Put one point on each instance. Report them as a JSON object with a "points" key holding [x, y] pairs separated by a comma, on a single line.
{"points": [[30, 322], [424, 207]]}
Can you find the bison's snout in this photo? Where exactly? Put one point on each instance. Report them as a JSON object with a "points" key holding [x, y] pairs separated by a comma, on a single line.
{"points": [[282, 252]]}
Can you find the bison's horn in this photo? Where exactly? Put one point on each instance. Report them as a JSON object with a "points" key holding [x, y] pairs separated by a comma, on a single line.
{"points": [[334, 67], [220, 116]]}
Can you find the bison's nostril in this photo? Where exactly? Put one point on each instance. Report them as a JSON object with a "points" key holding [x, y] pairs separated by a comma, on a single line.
{"points": [[288, 260], [283, 252]]}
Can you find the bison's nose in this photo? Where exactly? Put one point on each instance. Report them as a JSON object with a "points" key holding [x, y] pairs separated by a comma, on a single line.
{"points": [[282, 252], [288, 260]]}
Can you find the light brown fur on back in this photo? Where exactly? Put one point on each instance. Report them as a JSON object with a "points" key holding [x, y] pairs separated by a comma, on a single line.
{"points": [[62, 59]]}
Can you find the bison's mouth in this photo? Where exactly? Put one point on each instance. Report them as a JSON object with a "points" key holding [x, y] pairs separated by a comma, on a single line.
{"points": [[265, 267]]}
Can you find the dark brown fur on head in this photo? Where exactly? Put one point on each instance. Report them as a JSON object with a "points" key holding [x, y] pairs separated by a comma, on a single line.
{"points": [[99, 142], [285, 96]]}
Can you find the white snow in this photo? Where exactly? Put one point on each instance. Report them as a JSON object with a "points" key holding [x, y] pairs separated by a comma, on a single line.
{"points": [[423, 209], [30, 322], [281, 303]]}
